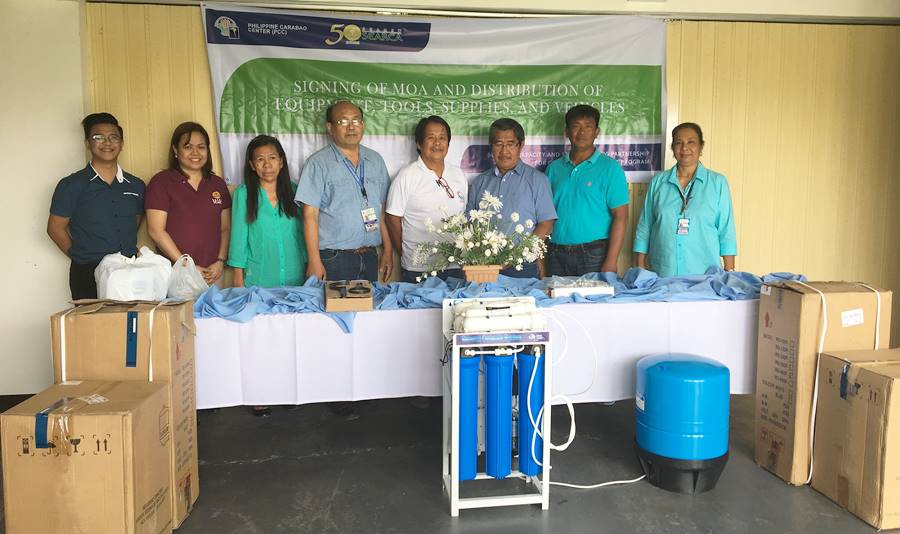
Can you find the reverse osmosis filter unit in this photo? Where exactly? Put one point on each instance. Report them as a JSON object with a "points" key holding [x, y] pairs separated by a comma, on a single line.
{"points": [[491, 341], [682, 407]]}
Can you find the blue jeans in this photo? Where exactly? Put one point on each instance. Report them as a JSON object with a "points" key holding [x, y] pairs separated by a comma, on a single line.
{"points": [[359, 264], [529, 270], [576, 260], [410, 276]]}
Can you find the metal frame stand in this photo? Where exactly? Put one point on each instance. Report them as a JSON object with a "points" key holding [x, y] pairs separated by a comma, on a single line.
{"points": [[450, 386]]}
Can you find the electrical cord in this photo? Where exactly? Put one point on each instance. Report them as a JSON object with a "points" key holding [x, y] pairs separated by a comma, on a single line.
{"points": [[600, 485], [590, 341], [536, 422]]}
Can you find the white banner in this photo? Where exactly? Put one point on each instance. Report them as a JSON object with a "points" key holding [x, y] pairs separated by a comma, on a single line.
{"points": [[275, 72]]}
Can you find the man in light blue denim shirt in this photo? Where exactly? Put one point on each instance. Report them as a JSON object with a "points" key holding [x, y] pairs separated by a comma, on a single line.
{"points": [[342, 192], [522, 188]]}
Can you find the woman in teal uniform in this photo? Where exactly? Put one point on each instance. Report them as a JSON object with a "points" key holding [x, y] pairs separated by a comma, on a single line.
{"points": [[267, 247], [687, 225]]}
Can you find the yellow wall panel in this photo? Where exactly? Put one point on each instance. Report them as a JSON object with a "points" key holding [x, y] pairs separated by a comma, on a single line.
{"points": [[803, 119], [149, 68]]}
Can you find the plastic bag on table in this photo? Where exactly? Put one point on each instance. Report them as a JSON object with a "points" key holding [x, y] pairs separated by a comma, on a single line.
{"points": [[141, 277], [186, 282]]}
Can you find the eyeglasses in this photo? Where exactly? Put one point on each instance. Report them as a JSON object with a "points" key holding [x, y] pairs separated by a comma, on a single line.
{"points": [[347, 122], [100, 138], [443, 183], [499, 146]]}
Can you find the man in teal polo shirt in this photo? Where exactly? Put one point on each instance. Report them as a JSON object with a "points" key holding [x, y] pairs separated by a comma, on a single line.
{"points": [[591, 199]]}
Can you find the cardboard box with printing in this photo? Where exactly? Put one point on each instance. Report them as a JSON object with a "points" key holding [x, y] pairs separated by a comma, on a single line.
{"points": [[102, 340], [88, 458], [856, 454], [790, 325]]}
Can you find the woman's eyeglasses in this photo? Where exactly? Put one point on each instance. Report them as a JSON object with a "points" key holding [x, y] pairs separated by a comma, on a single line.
{"points": [[443, 183]]}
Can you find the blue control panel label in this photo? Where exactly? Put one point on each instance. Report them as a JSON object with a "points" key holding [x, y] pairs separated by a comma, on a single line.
{"points": [[501, 338]]}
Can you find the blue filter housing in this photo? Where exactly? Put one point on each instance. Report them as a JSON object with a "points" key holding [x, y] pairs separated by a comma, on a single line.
{"points": [[468, 417], [682, 407], [526, 367], [498, 424]]}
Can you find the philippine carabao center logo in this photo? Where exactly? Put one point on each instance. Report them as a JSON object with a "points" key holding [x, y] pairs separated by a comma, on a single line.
{"points": [[301, 31], [352, 34], [227, 27]]}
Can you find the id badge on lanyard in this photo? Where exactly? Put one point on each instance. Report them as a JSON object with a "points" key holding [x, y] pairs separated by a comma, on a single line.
{"points": [[684, 222], [369, 217]]}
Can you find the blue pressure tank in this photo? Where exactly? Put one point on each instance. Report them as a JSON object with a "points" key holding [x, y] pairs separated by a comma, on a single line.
{"points": [[682, 406]]}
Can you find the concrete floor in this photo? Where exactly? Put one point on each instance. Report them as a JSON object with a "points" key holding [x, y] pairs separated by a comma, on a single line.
{"points": [[304, 470]]}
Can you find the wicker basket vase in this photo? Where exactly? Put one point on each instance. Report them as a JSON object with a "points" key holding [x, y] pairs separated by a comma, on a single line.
{"points": [[481, 273]]}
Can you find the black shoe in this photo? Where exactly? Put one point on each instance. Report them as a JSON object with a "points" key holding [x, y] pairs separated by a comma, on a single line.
{"points": [[344, 409], [262, 411]]}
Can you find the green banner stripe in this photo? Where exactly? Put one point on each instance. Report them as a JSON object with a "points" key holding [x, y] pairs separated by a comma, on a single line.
{"points": [[290, 96]]}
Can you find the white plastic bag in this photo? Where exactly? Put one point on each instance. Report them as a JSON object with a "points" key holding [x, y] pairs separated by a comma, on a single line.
{"points": [[142, 277], [186, 281]]}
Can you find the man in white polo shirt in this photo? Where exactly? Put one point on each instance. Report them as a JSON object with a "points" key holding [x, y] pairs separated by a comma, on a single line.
{"points": [[420, 191]]}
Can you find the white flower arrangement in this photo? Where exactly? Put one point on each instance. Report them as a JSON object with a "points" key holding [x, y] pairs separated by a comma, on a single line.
{"points": [[476, 240]]}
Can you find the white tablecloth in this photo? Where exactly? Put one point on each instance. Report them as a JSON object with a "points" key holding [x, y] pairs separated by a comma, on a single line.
{"points": [[305, 358]]}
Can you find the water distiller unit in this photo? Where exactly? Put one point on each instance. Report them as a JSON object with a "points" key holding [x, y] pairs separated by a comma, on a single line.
{"points": [[682, 407]]}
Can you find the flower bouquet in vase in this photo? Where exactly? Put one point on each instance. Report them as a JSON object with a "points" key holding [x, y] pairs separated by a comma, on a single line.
{"points": [[475, 242]]}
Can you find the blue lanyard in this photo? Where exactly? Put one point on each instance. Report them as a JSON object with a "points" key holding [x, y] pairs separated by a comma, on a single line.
{"points": [[359, 176], [686, 196]]}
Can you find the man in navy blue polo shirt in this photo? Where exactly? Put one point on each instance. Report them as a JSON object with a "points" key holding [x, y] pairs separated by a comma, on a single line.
{"points": [[96, 211]]}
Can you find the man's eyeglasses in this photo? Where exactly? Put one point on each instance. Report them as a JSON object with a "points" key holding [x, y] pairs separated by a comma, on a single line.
{"points": [[347, 122], [499, 146], [100, 138], [443, 183]]}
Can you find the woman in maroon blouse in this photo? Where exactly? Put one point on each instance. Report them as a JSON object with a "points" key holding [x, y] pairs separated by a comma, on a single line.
{"points": [[188, 207]]}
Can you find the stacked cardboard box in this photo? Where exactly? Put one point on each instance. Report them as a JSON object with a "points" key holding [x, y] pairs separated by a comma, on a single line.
{"points": [[856, 457], [122, 341], [88, 457], [857, 316]]}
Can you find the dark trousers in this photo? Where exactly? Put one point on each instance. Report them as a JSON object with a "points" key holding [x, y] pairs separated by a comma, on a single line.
{"points": [[410, 276], [82, 283], [529, 270], [576, 260], [354, 264]]}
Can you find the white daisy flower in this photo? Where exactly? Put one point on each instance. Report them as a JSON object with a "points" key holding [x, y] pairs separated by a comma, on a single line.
{"points": [[529, 223], [514, 216], [520, 229]]}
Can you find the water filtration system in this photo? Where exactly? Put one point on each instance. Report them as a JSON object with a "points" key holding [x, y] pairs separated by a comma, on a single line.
{"points": [[494, 379], [682, 406]]}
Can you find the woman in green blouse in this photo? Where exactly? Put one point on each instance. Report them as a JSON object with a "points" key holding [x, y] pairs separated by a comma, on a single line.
{"points": [[267, 247]]}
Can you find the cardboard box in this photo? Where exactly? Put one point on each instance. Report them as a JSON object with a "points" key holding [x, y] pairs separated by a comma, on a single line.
{"points": [[790, 324], [88, 458], [352, 296], [109, 341], [856, 453]]}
